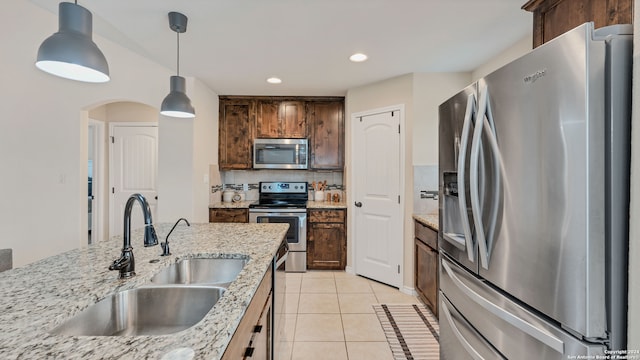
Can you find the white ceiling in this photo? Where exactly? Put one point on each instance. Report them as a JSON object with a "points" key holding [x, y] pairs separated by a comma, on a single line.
{"points": [[233, 46]]}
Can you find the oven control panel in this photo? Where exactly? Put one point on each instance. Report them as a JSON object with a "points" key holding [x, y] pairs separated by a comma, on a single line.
{"points": [[283, 187]]}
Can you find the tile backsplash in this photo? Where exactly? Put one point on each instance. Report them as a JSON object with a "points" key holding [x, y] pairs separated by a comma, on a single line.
{"points": [[250, 179], [425, 178]]}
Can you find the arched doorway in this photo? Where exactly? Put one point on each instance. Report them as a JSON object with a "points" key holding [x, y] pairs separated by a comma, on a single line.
{"points": [[101, 121]]}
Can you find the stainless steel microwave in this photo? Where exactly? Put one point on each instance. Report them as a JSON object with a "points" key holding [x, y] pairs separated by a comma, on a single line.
{"points": [[280, 153]]}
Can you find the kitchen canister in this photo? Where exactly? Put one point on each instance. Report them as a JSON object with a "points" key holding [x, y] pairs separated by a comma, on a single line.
{"points": [[227, 195], [318, 195]]}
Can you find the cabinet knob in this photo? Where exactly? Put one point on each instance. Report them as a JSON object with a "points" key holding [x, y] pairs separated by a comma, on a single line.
{"points": [[358, 204]]}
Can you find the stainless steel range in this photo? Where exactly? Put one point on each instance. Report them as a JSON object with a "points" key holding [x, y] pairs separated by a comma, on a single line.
{"points": [[285, 202]]}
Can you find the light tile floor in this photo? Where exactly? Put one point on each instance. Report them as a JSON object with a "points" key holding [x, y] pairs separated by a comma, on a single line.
{"points": [[329, 316]]}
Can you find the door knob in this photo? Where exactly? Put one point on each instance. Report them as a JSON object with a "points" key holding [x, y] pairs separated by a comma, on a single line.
{"points": [[358, 204]]}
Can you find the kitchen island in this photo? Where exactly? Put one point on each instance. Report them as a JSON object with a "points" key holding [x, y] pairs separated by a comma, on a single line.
{"points": [[37, 297]]}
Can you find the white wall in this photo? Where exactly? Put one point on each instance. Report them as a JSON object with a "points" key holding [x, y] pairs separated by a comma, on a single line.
{"points": [[43, 146], [429, 91], [205, 147], [188, 148], [175, 164], [515, 51], [634, 233]]}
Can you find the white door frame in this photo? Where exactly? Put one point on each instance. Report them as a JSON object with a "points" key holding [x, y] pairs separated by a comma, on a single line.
{"points": [[112, 125], [97, 221], [351, 192]]}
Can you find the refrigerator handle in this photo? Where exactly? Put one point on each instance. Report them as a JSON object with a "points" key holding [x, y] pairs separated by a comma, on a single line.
{"points": [[524, 326], [465, 344], [485, 119], [474, 186], [462, 195]]}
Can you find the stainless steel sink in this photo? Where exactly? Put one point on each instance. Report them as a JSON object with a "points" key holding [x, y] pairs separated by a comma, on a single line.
{"points": [[144, 311], [201, 271]]}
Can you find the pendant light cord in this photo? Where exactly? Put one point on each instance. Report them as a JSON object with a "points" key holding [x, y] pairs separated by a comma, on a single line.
{"points": [[178, 54]]}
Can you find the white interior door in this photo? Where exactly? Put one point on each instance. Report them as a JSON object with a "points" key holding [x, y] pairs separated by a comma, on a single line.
{"points": [[378, 213], [133, 169]]}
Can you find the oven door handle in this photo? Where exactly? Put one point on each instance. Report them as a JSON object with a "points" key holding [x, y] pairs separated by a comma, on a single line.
{"points": [[282, 259]]}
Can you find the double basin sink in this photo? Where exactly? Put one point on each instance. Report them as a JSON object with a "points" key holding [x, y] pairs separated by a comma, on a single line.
{"points": [[178, 297]]}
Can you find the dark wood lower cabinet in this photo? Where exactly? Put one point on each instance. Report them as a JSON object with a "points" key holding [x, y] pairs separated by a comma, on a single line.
{"points": [[327, 240], [229, 215], [426, 266]]}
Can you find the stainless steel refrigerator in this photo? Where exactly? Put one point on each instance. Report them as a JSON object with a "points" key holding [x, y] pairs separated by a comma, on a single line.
{"points": [[534, 196]]}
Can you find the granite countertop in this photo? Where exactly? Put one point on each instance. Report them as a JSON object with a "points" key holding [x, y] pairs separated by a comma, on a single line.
{"points": [[39, 296], [326, 205], [430, 220]]}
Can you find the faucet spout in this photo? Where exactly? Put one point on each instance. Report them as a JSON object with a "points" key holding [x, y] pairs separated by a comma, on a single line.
{"points": [[126, 263], [150, 237], [165, 245]]}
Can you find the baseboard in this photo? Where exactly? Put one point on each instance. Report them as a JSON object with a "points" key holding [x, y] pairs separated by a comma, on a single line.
{"points": [[349, 270], [409, 291]]}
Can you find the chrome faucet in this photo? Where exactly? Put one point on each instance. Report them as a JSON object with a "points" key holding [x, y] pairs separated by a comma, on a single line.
{"points": [[126, 264], [165, 245]]}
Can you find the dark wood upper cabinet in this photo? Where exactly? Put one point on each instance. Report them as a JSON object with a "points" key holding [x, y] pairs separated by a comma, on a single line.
{"points": [[236, 130], [281, 119], [267, 124], [555, 17], [326, 130], [293, 119], [318, 118]]}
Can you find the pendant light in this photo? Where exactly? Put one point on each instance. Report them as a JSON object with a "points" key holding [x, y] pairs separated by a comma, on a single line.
{"points": [[177, 103], [71, 53]]}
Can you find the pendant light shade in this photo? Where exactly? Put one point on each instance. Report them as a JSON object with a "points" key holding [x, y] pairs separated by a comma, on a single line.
{"points": [[177, 103], [71, 53]]}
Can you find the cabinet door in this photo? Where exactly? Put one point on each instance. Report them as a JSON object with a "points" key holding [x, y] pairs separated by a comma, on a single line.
{"points": [[267, 123], [245, 336], [281, 119], [326, 130], [261, 342], [236, 124], [293, 120], [229, 215], [326, 246], [426, 280]]}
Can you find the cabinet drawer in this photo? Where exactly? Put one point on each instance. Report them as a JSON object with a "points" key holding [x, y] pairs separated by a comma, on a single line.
{"points": [[326, 216], [426, 235], [229, 215]]}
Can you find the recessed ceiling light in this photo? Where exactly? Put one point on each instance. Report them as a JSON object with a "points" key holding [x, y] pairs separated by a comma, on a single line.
{"points": [[274, 80], [358, 57]]}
